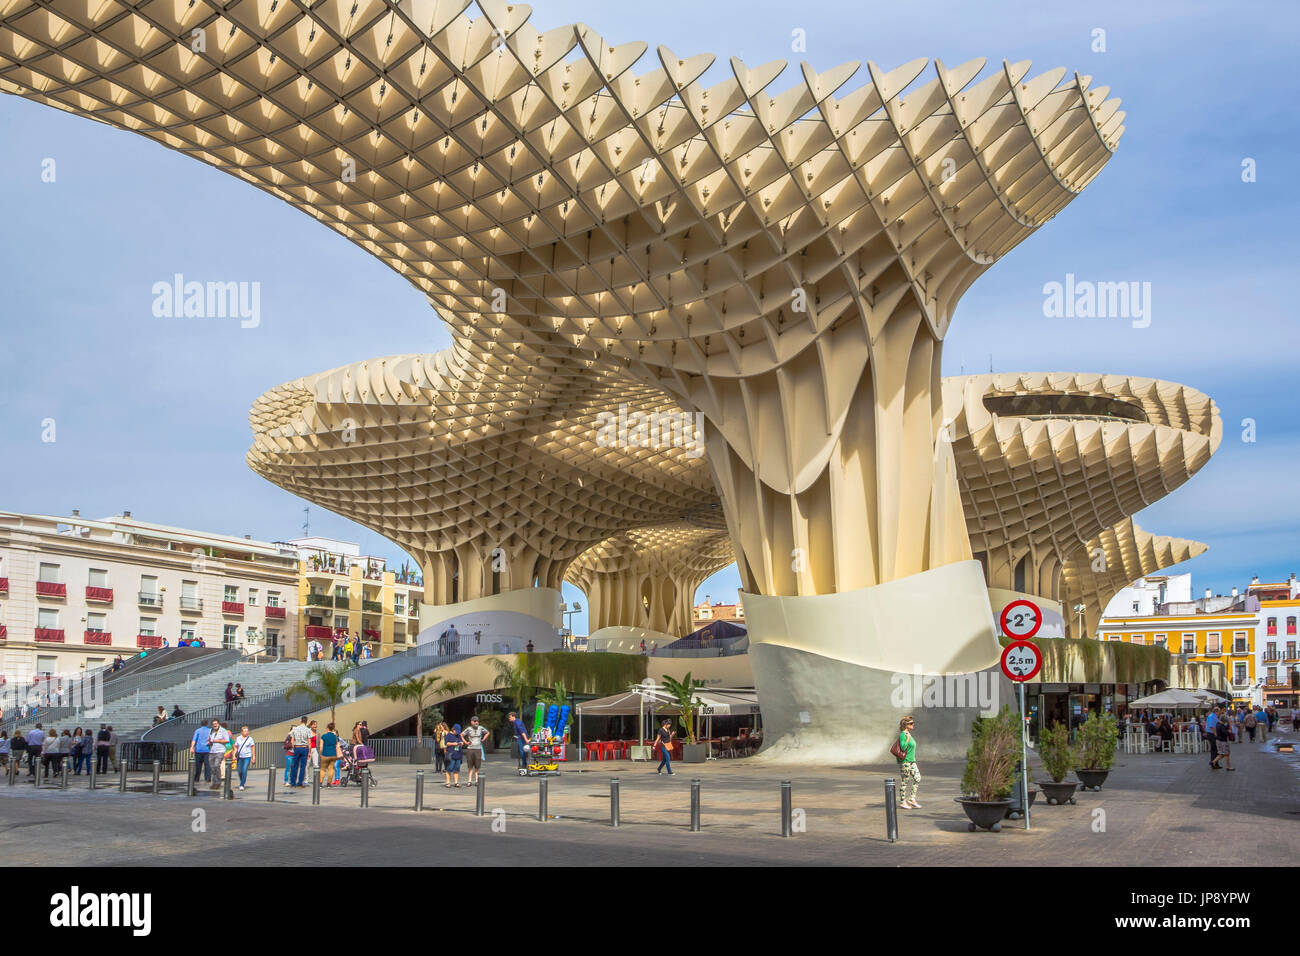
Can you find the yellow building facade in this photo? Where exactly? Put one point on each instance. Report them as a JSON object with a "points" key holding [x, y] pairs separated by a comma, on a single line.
{"points": [[359, 600], [1227, 639]]}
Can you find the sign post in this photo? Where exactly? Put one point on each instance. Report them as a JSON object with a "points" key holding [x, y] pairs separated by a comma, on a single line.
{"points": [[1021, 662]]}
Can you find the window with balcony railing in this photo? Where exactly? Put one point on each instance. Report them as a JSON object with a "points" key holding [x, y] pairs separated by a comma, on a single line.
{"points": [[191, 604], [1290, 650], [374, 607], [316, 599]]}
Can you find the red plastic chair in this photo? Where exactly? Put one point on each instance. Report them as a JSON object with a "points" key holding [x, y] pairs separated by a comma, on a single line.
{"points": [[593, 750], [623, 747], [609, 750]]}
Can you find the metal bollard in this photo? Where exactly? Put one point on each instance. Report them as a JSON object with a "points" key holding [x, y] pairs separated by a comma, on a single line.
{"points": [[695, 805], [891, 810], [11, 773], [787, 807], [229, 791], [270, 783], [614, 809], [543, 795], [63, 778], [191, 784], [315, 789], [479, 798], [94, 764], [419, 790], [121, 771], [157, 776], [365, 789]]}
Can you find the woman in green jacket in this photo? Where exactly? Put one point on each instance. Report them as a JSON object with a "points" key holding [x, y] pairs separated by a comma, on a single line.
{"points": [[907, 765]]}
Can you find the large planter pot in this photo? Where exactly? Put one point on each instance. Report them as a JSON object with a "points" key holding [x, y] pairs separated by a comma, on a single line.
{"points": [[421, 755], [984, 814], [1058, 792], [695, 753], [1091, 779]]}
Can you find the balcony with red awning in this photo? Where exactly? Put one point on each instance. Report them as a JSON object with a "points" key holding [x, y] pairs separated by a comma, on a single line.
{"points": [[232, 607], [51, 589], [148, 640], [53, 634], [97, 637], [100, 595], [275, 612]]}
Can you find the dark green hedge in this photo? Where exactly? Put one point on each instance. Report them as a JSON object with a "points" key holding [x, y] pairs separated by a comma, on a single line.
{"points": [[1131, 663], [585, 673]]}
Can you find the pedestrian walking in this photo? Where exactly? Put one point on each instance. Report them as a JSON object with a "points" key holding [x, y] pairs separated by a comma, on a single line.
{"points": [[18, 748], [112, 748], [199, 750], [245, 752], [4, 750], [453, 743], [907, 770], [301, 750], [1223, 731], [1250, 723], [521, 741], [664, 741], [230, 699], [329, 755], [365, 734], [101, 749], [439, 749], [1212, 735], [218, 745], [474, 736], [35, 746], [75, 754], [288, 756], [313, 748]]}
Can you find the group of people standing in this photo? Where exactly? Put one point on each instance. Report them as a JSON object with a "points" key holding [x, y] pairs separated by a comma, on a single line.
{"points": [[50, 748], [214, 751], [304, 746], [452, 746]]}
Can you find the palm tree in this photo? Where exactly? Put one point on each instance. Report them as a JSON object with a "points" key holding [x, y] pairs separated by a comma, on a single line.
{"points": [[683, 693], [324, 686], [417, 690], [515, 679]]}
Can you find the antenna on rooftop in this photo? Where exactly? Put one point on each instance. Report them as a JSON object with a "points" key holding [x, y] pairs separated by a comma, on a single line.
{"points": [[306, 521]]}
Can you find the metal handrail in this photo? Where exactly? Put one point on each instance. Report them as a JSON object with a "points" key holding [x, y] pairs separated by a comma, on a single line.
{"points": [[267, 709]]}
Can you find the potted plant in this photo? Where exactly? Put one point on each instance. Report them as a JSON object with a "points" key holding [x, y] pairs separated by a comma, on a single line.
{"points": [[990, 769], [416, 690], [683, 694], [1058, 755], [1098, 738]]}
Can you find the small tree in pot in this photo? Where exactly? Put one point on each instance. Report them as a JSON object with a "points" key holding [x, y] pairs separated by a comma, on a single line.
{"points": [[1098, 738], [990, 769], [1058, 755]]}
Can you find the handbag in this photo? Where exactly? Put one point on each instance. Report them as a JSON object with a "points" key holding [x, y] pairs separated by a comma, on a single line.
{"points": [[897, 750]]}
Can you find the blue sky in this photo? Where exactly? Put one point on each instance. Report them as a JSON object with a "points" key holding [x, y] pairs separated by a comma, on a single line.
{"points": [[151, 414]]}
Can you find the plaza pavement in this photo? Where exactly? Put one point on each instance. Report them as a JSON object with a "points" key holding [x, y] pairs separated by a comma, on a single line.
{"points": [[1164, 810]]}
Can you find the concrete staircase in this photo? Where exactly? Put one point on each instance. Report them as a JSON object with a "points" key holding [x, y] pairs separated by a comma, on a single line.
{"points": [[131, 717]]}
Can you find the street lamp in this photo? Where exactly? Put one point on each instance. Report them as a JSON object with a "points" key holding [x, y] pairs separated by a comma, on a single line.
{"points": [[568, 610], [1079, 609]]}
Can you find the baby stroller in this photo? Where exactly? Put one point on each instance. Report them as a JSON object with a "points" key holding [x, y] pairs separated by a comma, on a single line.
{"points": [[356, 763]]}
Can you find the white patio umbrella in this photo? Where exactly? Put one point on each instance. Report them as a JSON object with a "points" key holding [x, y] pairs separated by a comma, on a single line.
{"points": [[1170, 698]]}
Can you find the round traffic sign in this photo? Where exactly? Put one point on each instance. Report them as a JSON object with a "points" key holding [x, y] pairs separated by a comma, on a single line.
{"points": [[1021, 619], [1021, 661]]}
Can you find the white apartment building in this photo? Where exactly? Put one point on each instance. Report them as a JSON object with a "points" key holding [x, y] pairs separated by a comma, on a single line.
{"points": [[75, 593], [1145, 595]]}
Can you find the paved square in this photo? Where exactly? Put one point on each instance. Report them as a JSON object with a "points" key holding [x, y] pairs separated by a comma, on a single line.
{"points": [[1165, 810]]}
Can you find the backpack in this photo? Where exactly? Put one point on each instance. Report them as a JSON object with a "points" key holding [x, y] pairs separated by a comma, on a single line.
{"points": [[1250, 721]]}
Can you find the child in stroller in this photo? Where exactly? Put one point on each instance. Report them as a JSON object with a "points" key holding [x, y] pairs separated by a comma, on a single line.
{"points": [[355, 763]]}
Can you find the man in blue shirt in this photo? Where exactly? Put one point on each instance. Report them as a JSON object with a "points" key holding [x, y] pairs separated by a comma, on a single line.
{"points": [[521, 740], [1211, 721], [34, 741], [199, 747]]}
